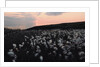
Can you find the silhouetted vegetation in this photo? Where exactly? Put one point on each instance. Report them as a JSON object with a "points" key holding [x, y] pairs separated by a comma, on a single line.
{"points": [[77, 25], [51, 43]]}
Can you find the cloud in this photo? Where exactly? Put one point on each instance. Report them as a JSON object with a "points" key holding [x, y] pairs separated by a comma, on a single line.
{"points": [[26, 14], [19, 22], [54, 13], [39, 13], [21, 14]]}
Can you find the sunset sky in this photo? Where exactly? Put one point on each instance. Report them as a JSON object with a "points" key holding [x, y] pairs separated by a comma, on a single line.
{"points": [[23, 20]]}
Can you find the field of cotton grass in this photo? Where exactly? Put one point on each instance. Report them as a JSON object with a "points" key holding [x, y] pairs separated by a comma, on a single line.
{"points": [[54, 45]]}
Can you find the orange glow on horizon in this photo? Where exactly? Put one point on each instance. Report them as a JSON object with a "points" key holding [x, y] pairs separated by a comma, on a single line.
{"points": [[41, 18]]}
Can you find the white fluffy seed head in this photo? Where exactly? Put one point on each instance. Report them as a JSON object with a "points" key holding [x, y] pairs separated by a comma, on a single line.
{"points": [[69, 53], [14, 45], [11, 54], [23, 43], [81, 53], [36, 54], [66, 57], [41, 58]]}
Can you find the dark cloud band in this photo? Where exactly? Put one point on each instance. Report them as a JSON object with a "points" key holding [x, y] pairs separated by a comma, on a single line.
{"points": [[54, 13]]}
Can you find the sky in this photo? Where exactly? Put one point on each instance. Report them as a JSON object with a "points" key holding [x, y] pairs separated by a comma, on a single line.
{"points": [[24, 20]]}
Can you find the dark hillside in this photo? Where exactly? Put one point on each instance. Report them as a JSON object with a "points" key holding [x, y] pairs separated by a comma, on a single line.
{"points": [[77, 25]]}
